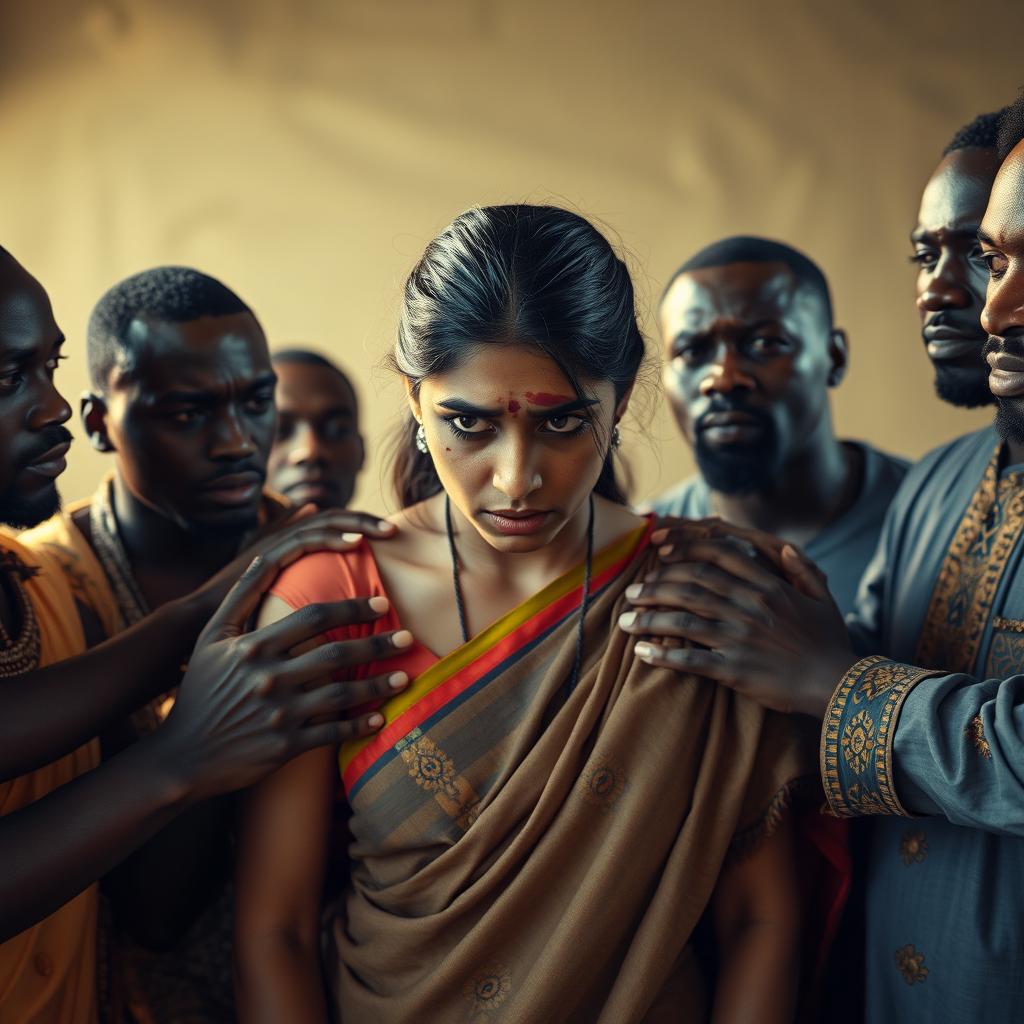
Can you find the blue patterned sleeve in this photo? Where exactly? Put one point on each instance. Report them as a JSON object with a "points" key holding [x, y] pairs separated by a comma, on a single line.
{"points": [[857, 737]]}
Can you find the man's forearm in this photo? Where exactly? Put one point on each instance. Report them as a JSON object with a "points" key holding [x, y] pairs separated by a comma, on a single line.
{"points": [[54, 848], [48, 713]]}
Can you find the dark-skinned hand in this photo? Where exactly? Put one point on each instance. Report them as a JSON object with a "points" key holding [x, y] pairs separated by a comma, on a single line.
{"points": [[779, 641], [247, 704], [334, 529]]}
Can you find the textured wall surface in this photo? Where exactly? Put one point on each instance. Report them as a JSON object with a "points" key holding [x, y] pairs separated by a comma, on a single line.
{"points": [[305, 152]]}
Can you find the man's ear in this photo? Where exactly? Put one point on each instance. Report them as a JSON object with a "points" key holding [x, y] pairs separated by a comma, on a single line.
{"points": [[93, 410], [839, 353]]}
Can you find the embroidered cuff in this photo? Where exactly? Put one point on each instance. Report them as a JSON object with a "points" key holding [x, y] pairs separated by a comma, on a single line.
{"points": [[857, 735]]}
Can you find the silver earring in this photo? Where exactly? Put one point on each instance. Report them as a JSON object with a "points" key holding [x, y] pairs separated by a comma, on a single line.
{"points": [[616, 438], [421, 440]]}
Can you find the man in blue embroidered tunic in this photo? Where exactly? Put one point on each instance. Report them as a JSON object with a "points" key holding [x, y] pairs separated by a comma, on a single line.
{"points": [[751, 352], [929, 724]]}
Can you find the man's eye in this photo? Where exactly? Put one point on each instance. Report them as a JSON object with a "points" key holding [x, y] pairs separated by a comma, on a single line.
{"points": [[996, 263], [924, 258], [259, 404], [186, 417], [11, 381], [767, 345]]}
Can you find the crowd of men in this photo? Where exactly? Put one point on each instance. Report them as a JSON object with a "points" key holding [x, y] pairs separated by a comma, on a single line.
{"points": [[135, 701]]}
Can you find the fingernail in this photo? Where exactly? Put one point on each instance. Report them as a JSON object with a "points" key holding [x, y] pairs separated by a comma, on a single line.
{"points": [[658, 536], [383, 524], [666, 549], [643, 650], [397, 680], [634, 590], [351, 538], [379, 604], [626, 619], [403, 638], [375, 721]]}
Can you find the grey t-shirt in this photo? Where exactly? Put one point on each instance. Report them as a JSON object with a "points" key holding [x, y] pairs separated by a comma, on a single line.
{"points": [[844, 548]]}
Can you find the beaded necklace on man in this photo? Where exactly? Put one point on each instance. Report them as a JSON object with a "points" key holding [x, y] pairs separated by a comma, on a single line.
{"points": [[20, 654]]}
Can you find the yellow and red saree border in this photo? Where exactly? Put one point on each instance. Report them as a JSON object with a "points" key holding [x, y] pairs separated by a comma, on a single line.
{"points": [[469, 668]]}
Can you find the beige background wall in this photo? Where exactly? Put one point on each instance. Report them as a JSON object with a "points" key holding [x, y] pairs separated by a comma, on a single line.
{"points": [[306, 151]]}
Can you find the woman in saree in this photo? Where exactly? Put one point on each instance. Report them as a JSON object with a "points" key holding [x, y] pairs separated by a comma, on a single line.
{"points": [[539, 821]]}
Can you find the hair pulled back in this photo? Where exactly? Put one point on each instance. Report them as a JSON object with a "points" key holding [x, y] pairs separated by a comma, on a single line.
{"points": [[517, 274]]}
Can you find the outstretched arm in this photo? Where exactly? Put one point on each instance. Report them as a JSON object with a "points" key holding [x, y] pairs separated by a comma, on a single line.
{"points": [[48, 713], [756, 916], [245, 707]]}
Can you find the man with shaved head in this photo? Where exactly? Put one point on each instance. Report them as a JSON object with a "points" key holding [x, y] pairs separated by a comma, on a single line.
{"points": [[751, 353], [921, 691], [318, 448]]}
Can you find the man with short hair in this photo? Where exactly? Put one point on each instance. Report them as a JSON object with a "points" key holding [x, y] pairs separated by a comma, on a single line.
{"points": [[951, 279], [751, 352], [318, 449], [922, 700], [243, 709], [183, 398]]}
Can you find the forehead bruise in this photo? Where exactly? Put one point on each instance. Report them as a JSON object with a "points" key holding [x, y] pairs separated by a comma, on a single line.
{"points": [[1004, 218], [957, 193]]}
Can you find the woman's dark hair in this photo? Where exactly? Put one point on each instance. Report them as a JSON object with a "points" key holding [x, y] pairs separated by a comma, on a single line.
{"points": [[536, 275]]}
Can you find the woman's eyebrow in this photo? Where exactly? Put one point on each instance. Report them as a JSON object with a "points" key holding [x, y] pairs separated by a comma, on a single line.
{"points": [[547, 412], [468, 409]]}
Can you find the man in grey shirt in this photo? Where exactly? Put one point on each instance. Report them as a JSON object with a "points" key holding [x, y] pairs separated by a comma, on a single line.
{"points": [[751, 352]]}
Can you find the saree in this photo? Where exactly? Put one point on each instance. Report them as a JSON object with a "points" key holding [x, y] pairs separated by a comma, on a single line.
{"points": [[526, 852]]}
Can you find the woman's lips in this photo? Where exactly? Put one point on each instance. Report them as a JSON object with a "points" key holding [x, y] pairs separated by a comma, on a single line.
{"points": [[517, 522]]}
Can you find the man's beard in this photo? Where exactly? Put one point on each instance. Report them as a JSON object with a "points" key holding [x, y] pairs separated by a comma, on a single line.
{"points": [[741, 468], [1010, 420], [21, 512], [962, 387]]}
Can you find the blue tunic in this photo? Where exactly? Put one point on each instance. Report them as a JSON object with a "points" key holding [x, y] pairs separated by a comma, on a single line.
{"points": [[904, 737], [844, 547]]}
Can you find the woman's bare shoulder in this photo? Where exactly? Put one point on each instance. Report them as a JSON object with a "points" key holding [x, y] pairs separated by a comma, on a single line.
{"points": [[420, 530]]}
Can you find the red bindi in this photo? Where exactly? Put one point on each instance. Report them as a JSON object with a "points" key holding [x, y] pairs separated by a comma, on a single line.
{"points": [[513, 406], [544, 398]]}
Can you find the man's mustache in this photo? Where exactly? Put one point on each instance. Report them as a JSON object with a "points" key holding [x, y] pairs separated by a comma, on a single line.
{"points": [[48, 438], [720, 405], [1012, 344]]}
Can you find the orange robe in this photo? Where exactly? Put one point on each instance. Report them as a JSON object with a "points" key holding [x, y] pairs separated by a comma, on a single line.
{"points": [[48, 971]]}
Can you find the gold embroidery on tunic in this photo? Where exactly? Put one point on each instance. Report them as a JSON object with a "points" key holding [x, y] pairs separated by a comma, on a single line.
{"points": [[859, 741], [961, 602], [910, 964], [1008, 625], [892, 682], [913, 847], [976, 734]]}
